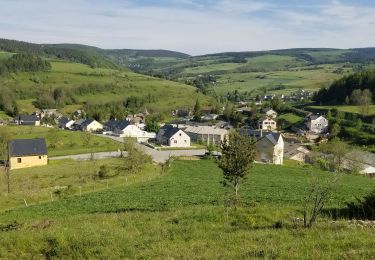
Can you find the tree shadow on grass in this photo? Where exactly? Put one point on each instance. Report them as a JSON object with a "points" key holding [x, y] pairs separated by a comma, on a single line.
{"points": [[363, 209]]}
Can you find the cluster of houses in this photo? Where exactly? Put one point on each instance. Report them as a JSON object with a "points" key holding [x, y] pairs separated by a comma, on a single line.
{"points": [[298, 95]]}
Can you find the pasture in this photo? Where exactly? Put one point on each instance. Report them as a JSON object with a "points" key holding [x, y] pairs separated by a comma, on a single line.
{"points": [[181, 214], [347, 109], [167, 94], [63, 142]]}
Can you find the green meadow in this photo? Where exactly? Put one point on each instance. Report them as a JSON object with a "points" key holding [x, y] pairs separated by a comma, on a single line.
{"points": [[181, 214], [348, 109], [63, 142], [168, 94]]}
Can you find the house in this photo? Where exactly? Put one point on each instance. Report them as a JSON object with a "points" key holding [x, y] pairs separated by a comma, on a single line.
{"points": [[78, 114], [65, 123], [48, 113], [257, 134], [296, 152], [207, 134], [363, 162], [27, 120], [270, 149], [173, 137], [25, 153], [317, 124], [209, 117], [124, 128], [270, 113], [267, 123], [91, 125]]}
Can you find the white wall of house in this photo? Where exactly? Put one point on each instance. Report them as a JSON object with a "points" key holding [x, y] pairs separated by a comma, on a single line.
{"points": [[267, 124], [267, 152], [94, 126], [179, 139], [318, 126]]}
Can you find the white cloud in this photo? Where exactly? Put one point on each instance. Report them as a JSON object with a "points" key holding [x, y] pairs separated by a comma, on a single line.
{"points": [[194, 30]]}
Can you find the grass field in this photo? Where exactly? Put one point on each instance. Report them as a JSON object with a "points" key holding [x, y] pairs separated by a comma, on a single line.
{"points": [[41, 184], [62, 142], [168, 94], [180, 214], [349, 109], [289, 119]]}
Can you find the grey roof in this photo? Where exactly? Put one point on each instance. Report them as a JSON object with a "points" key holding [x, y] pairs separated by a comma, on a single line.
{"points": [[87, 122], [314, 117], [63, 120], [119, 124], [273, 137], [27, 147], [79, 122], [168, 131], [27, 118]]}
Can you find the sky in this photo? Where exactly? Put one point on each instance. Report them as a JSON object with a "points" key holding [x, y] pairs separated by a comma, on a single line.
{"points": [[192, 26]]}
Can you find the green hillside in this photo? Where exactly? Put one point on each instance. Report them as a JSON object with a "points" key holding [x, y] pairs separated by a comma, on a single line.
{"points": [[180, 214], [98, 86]]}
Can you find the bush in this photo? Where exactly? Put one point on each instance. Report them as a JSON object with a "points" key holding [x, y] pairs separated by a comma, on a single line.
{"points": [[103, 172]]}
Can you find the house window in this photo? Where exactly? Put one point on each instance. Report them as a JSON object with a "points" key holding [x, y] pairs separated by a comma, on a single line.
{"points": [[19, 160], [40, 157], [180, 134], [175, 141]]}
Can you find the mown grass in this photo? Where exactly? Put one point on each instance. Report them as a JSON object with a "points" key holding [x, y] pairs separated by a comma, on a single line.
{"points": [[181, 215], [62, 142]]}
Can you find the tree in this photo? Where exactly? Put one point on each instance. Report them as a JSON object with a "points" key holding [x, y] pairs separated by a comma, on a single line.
{"points": [[152, 126], [5, 137], [365, 102], [335, 130], [317, 195], [197, 113], [238, 154], [355, 97], [136, 159], [331, 155]]}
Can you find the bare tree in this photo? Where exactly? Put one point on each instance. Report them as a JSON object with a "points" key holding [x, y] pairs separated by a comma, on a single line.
{"points": [[317, 195]]}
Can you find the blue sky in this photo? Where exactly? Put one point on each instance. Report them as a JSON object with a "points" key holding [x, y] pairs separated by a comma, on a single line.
{"points": [[192, 26]]}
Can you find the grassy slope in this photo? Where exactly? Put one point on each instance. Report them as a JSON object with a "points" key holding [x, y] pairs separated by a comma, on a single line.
{"points": [[70, 75], [68, 142], [349, 109], [180, 215]]}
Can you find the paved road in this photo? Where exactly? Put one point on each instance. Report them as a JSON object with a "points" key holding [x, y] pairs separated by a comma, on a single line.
{"points": [[88, 156], [157, 156]]}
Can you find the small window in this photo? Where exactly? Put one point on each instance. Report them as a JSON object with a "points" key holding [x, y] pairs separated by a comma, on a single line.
{"points": [[40, 157], [175, 141], [19, 160]]}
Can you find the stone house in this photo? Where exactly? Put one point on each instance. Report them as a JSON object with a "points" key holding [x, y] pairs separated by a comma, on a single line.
{"points": [[270, 149]]}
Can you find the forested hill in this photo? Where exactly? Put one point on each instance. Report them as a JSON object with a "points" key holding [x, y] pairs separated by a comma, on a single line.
{"points": [[92, 56], [341, 91], [84, 56]]}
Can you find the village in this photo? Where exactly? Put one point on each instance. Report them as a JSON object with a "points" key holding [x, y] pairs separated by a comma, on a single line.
{"points": [[186, 136]]}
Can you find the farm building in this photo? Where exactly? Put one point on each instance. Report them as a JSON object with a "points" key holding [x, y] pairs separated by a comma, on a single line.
{"points": [[24, 153], [27, 120], [173, 137], [207, 134]]}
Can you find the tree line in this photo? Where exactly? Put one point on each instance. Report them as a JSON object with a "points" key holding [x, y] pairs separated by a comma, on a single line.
{"points": [[24, 63], [353, 89]]}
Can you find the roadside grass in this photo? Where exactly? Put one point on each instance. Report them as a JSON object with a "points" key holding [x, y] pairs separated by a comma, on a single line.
{"points": [[181, 215], [4, 116], [63, 142], [62, 178]]}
